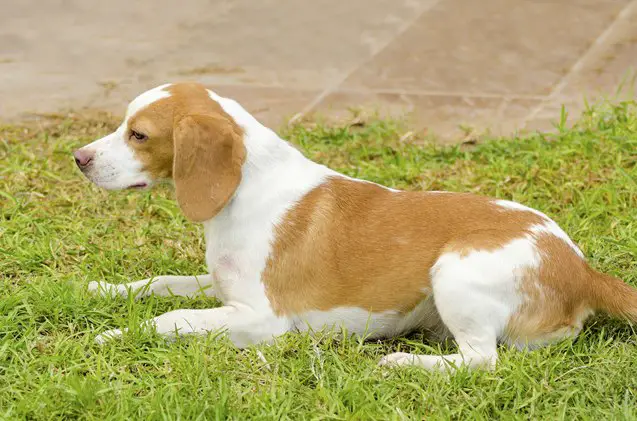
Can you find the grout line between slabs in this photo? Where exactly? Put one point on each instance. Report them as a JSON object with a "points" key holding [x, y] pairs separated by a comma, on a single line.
{"points": [[457, 94], [332, 87], [579, 64], [386, 91]]}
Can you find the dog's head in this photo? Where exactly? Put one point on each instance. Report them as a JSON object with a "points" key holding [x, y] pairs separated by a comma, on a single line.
{"points": [[174, 131]]}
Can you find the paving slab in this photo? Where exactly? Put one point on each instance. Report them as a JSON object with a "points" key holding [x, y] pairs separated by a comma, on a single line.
{"points": [[68, 53], [493, 46], [456, 117], [606, 72], [493, 65]]}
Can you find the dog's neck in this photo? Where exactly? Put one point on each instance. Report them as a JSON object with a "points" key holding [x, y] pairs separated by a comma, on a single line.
{"points": [[274, 173]]}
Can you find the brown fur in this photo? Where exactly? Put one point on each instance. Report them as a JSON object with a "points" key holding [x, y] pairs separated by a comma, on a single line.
{"points": [[356, 244], [564, 291], [208, 159], [194, 141], [557, 293]]}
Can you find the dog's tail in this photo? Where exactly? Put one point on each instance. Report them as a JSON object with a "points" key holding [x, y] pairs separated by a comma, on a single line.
{"points": [[613, 296]]}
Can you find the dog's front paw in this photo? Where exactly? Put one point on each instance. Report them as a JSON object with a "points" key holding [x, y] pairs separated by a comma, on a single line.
{"points": [[105, 289], [397, 359], [102, 338]]}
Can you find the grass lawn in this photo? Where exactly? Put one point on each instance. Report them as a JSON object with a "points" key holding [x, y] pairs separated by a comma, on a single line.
{"points": [[58, 232]]}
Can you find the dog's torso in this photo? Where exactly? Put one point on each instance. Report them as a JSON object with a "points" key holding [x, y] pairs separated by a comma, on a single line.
{"points": [[325, 250]]}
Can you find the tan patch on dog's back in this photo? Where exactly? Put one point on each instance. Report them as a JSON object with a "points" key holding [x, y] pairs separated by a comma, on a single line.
{"points": [[355, 244]]}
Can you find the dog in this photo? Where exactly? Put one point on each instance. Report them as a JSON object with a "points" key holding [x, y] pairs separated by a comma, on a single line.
{"points": [[292, 245]]}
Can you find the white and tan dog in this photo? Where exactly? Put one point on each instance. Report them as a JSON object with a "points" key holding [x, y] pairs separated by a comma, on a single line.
{"points": [[292, 245]]}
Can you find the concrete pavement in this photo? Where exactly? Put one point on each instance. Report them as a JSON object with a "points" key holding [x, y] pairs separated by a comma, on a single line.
{"points": [[449, 65]]}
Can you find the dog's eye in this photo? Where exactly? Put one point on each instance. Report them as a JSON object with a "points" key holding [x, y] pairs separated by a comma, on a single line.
{"points": [[139, 136]]}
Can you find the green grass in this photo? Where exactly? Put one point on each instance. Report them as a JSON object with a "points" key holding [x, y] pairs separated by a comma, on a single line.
{"points": [[58, 232]]}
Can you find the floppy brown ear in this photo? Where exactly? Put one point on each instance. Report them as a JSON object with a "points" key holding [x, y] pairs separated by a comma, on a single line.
{"points": [[209, 154]]}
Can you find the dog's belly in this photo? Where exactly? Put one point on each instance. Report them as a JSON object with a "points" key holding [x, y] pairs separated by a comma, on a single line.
{"points": [[424, 317]]}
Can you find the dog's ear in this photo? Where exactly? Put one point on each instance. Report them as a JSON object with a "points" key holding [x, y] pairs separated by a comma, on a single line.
{"points": [[209, 154]]}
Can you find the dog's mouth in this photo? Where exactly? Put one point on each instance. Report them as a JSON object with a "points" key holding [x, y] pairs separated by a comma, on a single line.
{"points": [[140, 185]]}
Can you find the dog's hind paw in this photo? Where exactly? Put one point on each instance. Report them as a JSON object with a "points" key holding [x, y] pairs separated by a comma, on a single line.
{"points": [[102, 338], [104, 289]]}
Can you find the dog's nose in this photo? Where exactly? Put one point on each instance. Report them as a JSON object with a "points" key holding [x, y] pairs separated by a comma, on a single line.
{"points": [[83, 157]]}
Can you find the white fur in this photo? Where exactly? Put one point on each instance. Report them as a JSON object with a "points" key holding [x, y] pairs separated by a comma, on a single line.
{"points": [[507, 204], [145, 99], [162, 286], [549, 226], [357, 321], [350, 319], [114, 165]]}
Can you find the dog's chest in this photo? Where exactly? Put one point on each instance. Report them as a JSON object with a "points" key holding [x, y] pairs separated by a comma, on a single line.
{"points": [[235, 259]]}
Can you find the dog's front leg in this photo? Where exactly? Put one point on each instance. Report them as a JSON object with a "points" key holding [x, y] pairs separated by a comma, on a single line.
{"points": [[163, 286], [243, 325]]}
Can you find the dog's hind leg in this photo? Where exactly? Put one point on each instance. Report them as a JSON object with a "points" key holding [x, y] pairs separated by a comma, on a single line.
{"points": [[473, 320], [476, 292]]}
